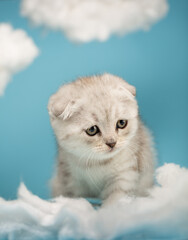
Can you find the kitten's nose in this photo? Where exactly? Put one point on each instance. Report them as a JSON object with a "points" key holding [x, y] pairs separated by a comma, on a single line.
{"points": [[111, 144]]}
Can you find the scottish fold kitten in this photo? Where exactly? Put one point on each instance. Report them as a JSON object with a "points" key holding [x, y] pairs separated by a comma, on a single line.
{"points": [[104, 149]]}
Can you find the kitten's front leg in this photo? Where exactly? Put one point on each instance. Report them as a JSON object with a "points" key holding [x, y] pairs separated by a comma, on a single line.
{"points": [[119, 189], [113, 198]]}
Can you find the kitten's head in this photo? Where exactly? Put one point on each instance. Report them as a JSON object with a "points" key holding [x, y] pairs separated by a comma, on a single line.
{"points": [[94, 117]]}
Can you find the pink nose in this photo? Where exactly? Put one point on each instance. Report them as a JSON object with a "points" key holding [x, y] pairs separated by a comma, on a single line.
{"points": [[111, 144]]}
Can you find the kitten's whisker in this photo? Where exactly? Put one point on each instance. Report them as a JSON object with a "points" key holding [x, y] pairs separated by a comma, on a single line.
{"points": [[89, 159], [134, 156], [88, 168], [82, 156]]}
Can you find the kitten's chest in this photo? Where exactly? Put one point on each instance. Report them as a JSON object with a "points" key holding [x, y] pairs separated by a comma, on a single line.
{"points": [[89, 182]]}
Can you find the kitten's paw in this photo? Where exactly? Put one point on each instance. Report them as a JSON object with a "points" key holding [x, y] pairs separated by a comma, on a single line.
{"points": [[118, 198], [126, 199]]}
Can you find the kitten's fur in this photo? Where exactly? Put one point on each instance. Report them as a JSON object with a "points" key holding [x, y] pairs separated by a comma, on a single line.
{"points": [[86, 166]]}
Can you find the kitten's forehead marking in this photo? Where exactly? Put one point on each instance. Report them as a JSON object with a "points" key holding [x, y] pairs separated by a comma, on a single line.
{"points": [[94, 116], [104, 118], [104, 108]]}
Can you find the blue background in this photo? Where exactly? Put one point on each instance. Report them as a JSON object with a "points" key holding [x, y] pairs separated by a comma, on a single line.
{"points": [[154, 61]]}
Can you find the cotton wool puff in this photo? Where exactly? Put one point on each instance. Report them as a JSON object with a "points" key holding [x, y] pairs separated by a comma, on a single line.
{"points": [[17, 51], [84, 21], [163, 214]]}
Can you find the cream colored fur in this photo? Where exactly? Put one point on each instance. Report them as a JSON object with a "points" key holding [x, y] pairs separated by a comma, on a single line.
{"points": [[86, 166]]}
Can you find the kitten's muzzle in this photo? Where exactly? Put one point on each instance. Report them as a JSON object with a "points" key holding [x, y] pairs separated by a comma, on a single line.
{"points": [[111, 144]]}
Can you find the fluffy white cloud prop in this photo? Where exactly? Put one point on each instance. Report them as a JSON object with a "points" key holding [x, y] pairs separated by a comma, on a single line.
{"points": [[17, 51], [162, 214], [83, 20]]}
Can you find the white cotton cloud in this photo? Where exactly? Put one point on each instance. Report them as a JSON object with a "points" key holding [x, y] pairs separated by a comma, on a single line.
{"points": [[161, 215], [83, 20], [17, 51]]}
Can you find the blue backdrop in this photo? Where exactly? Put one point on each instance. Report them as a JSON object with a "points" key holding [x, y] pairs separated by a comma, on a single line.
{"points": [[154, 61]]}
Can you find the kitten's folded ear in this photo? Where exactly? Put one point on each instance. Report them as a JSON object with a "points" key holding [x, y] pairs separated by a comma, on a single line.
{"points": [[125, 84], [130, 88], [63, 104]]}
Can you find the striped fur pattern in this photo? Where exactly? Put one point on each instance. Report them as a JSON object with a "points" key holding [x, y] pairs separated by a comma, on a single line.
{"points": [[86, 165]]}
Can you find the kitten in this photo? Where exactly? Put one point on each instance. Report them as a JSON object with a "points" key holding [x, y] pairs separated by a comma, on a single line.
{"points": [[104, 149]]}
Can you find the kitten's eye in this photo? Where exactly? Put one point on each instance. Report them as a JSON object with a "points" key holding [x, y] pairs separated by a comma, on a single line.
{"points": [[121, 124], [92, 130]]}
